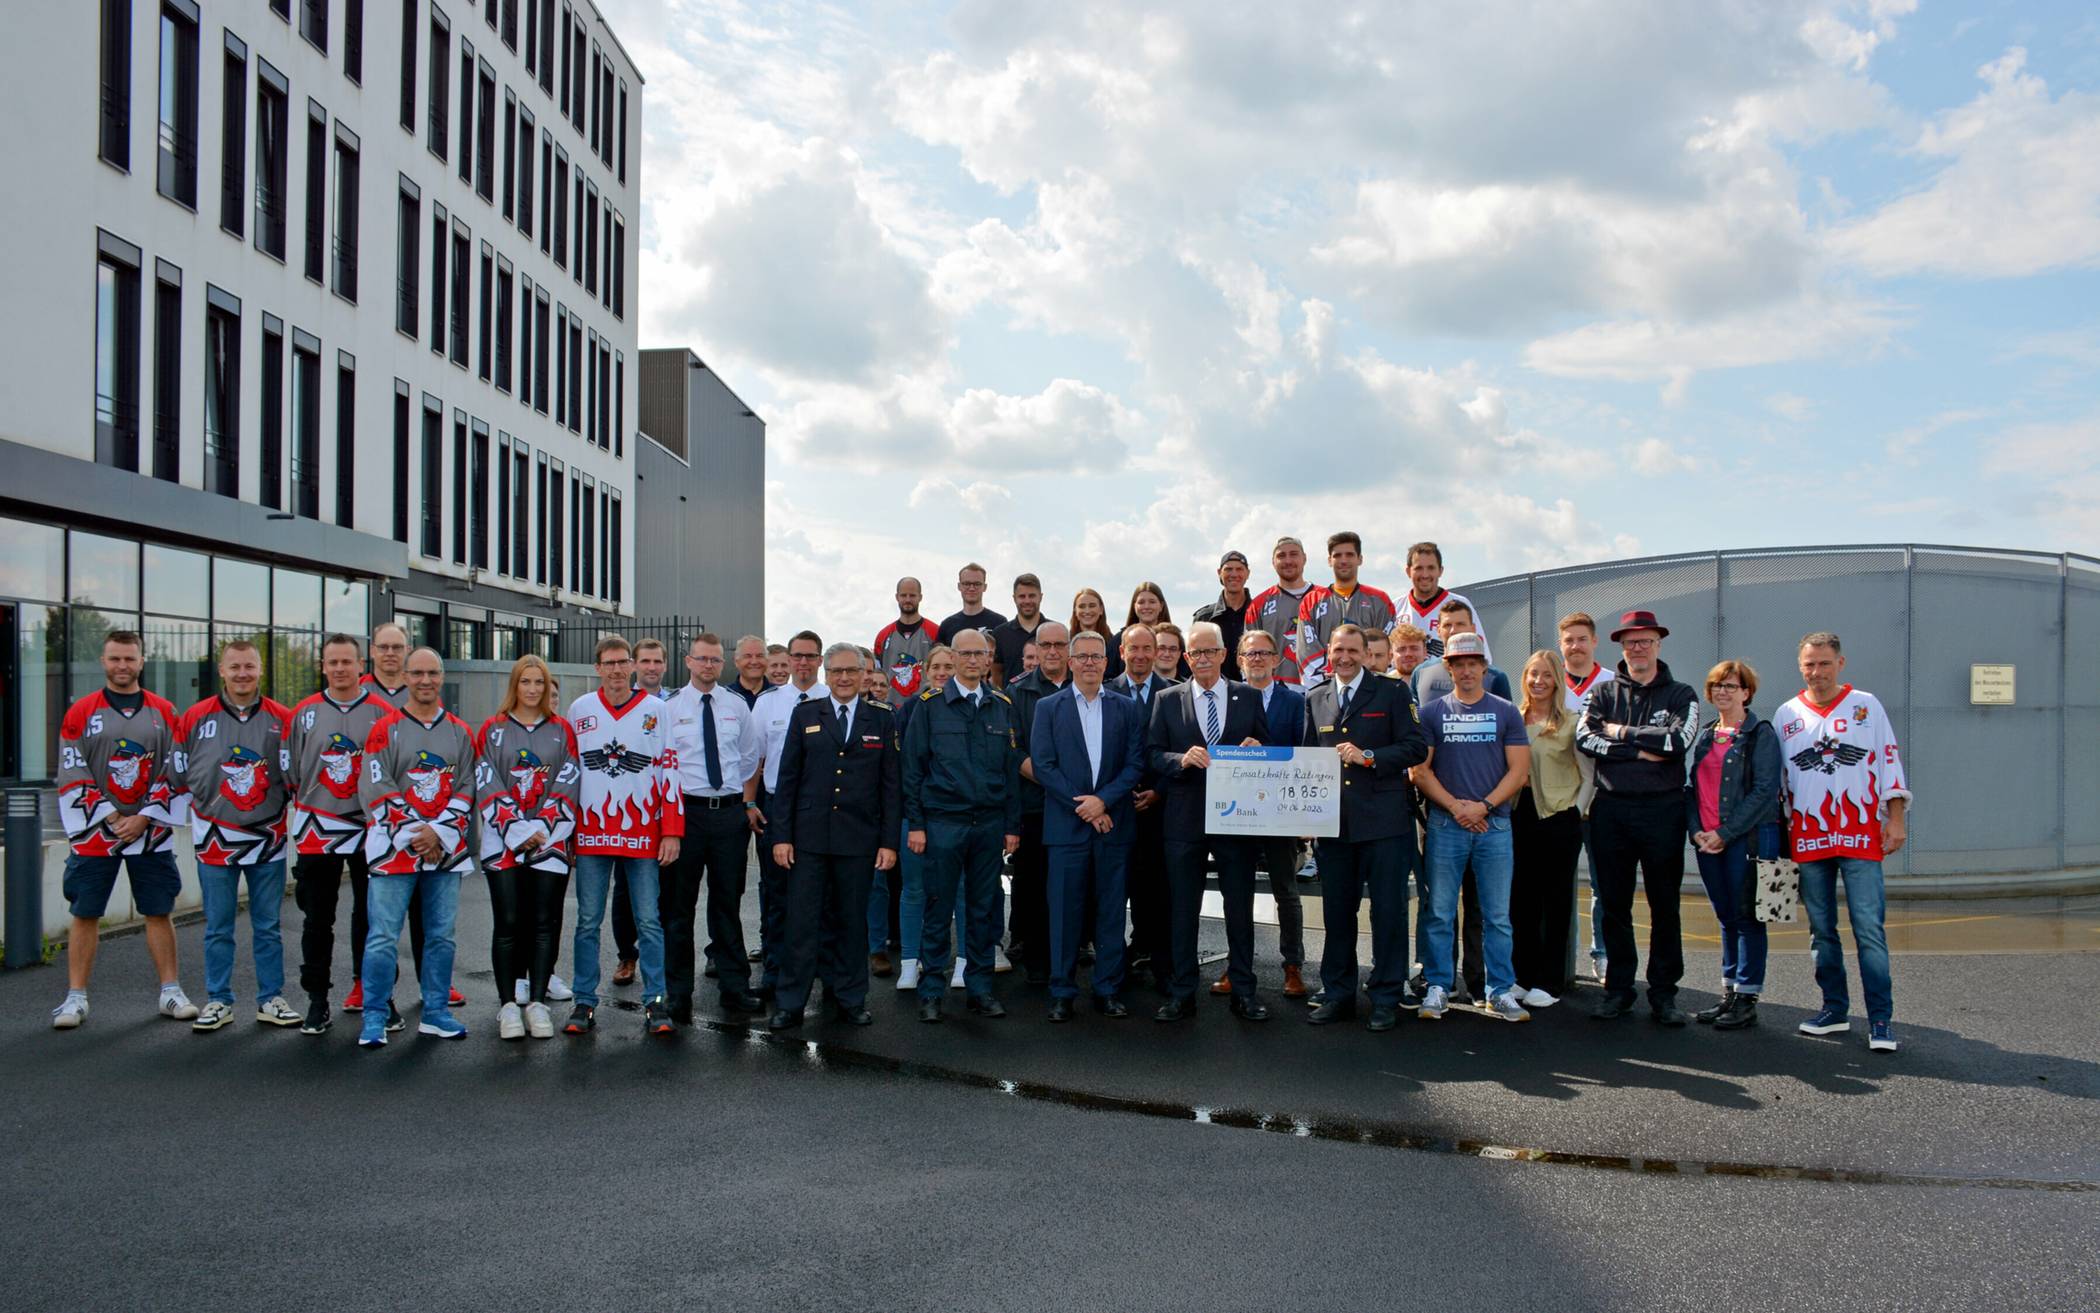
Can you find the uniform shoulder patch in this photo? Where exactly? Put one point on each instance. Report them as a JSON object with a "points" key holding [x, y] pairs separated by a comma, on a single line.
{"points": [[929, 695], [1002, 697]]}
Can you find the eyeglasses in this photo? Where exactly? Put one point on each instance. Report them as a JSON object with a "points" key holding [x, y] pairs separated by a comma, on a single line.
{"points": [[1090, 656], [1206, 651], [1639, 644], [1724, 688], [802, 656], [837, 672]]}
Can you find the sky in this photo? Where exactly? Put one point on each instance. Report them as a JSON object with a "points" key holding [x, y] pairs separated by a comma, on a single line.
{"points": [[1099, 290]]}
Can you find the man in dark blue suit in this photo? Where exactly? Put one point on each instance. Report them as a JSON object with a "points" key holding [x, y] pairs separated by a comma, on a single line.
{"points": [[1370, 721], [1284, 705], [1087, 752], [1151, 940], [1187, 721]]}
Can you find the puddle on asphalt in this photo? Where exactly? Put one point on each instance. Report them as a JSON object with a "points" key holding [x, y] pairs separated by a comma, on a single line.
{"points": [[818, 1055]]}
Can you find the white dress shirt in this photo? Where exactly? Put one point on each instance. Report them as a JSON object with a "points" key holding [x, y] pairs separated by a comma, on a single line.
{"points": [[737, 739], [772, 709]]}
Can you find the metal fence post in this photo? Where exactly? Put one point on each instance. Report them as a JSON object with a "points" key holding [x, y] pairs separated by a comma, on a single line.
{"points": [[25, 880], [2063, 708], [1911, 718]]}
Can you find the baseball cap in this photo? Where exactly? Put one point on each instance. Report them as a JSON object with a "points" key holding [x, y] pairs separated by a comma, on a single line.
{"points": [[1229, 557], [1472, 645]]}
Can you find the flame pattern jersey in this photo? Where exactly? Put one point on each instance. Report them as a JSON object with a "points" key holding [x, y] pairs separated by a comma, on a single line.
{"points": [[324, 743], [111, 764], [1274, 611], [630, 798], [417, 774], [232, 768], [1842, 767], [527, 789]]}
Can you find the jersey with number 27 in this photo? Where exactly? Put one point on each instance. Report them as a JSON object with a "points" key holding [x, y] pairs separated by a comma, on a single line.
{"points": [[1842, 767]]}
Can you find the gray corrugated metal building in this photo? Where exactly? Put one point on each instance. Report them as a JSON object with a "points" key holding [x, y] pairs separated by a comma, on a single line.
{"points": [[700, 497]]}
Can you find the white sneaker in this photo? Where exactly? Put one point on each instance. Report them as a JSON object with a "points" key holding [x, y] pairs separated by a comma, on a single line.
{"points": [[276, 1012], [1000, 966], [1505, 1006], [215, 1015], [538, 1023], [908, 974], [176, 1006], [1538, 998], [558, 990], [1434, 1001], [510, 1022], [518, 992], [956, 981], [69, 1014], [1310, 867]]}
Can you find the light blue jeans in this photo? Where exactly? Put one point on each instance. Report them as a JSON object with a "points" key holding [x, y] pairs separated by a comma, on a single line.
{"points": [[594, 873], [1866, 902], [1450, 848], [222, 904], [386, 907]]}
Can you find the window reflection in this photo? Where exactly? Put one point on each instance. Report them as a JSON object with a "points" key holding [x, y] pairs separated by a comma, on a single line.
{"points": [[178, 582], [295, 600], [32, 561], [180, 662], [240, 592], [105, 572]]}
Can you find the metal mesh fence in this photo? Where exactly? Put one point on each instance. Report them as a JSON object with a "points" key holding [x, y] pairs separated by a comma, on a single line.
{"points": [[2000, 789]]}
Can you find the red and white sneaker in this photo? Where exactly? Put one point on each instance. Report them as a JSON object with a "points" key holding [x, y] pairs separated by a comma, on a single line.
{"points": [[458, 1000], [354, 1001]]}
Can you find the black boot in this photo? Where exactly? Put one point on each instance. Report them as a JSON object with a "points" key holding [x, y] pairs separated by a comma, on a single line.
{"points": [[1708, 1016], [1741, 1013]]}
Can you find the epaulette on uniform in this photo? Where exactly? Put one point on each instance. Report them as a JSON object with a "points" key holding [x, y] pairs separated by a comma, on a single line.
{"points": [[1002, 697], [928, 695]]}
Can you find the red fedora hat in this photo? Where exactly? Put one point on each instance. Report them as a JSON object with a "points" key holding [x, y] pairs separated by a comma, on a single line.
{"points": [[1638, 620]]}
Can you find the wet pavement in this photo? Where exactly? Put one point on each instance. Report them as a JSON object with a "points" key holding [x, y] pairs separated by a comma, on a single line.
{"points": [[1563, 1163]]}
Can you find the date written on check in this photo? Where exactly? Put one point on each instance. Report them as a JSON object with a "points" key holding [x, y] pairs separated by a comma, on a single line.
{"points": [[1287, 792]]}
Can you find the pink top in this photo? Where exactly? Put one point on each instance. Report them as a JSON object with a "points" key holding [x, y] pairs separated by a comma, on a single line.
{"points": [[1708, 777]]}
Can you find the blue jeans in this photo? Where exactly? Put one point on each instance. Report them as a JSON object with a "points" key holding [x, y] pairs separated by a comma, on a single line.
{"points": [[594, 873], [222, 902], [386, 906], [1867, 903], [911, 903], [1730, 876], [1451, 847]]}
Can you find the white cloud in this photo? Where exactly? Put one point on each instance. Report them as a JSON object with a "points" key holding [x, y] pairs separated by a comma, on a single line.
{"points": [[1790, 406], [1654, 456], [914, 423], [1645, 349], [978, 498], [2019, 192], [2066, 499]]}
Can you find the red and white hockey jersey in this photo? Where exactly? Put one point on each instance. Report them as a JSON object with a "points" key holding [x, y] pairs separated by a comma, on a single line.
{"points": [[324, 743], [1324, 610], [526, 785], [1423, 615], [232, 768], [630, 791], [1842, 767], [1575, 693], [417, 774], [113, 764]]}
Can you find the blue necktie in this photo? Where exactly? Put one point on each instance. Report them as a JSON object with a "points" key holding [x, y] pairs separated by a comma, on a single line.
{"points": [[1344, 708], [708, 742], [1210, 717]]}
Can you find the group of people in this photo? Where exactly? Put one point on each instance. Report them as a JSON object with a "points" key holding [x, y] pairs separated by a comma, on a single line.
{"points": [[888, 789]]}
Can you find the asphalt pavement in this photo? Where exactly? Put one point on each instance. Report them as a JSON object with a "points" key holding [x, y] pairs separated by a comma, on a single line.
{"points": [[1564, 1163]]}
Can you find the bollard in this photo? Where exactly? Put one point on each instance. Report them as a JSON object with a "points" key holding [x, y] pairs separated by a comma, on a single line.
{"points": [[25, 880]]}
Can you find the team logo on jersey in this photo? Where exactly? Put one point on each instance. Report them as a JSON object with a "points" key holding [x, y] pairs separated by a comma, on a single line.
{"points": [[1859, 713], [648, 724], [528, 778], [429, 783], [615, 759], [904, 670], [1827, 755], [339, 765], [130, 771], [243, 780], [585, 724]]}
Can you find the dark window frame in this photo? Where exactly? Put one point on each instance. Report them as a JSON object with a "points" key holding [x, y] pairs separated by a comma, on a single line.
{"points": [[118, 266], [113, 135], [433, 478], [305, 414], [315, 252], [233, 137], [403, 421], [167, 372], [222, 392], [349, 182], [408, 259], [345, 439], [271, 493], [175, 142], [273, 98], [438, 94]]}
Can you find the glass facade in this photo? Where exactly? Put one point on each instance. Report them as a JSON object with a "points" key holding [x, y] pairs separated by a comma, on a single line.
{"points": [[62, 590]]}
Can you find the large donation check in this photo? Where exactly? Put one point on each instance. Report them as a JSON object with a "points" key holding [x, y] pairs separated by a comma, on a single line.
{"points": [[1293, 792]]}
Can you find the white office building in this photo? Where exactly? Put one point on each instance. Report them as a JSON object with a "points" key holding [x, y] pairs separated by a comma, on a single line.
{"points": [[319, 312]]}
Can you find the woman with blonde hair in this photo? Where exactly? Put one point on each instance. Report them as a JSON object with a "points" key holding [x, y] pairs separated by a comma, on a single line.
{"points": [[527, 788], [1546, 833]]}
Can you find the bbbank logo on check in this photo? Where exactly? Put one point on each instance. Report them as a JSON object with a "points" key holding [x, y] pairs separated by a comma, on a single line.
{"points": [[1230, 808]]}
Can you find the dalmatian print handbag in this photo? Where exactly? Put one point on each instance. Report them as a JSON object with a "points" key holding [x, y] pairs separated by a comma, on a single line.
{"points": [[1778, 878]]}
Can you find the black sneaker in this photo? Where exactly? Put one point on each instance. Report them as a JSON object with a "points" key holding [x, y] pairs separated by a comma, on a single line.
{"points": [[317, 1018], [656, 1019], [583, 1019], [394, 1023]]}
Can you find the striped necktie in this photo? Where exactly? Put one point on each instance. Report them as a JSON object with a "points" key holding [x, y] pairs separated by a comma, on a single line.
{"points": [[1210, 717]]}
